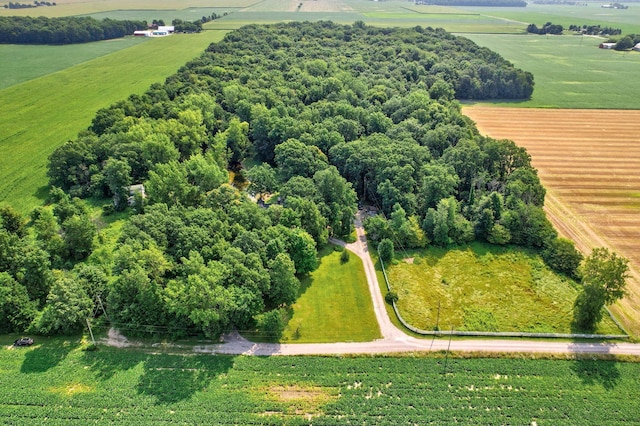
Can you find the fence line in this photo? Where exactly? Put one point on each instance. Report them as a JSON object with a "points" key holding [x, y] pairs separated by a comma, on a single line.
{"points": [[496, 333]]}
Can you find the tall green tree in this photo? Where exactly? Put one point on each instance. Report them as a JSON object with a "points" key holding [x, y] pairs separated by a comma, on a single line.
{"points": [[604, 276]]}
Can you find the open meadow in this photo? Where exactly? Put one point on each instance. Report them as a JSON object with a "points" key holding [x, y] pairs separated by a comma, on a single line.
{"points": [[589, 161], [484, 288], [58, 381]]}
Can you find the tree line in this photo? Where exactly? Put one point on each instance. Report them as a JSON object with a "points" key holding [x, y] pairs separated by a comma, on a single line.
{"points": [[36, 3], [66, 30], [379, 123]]}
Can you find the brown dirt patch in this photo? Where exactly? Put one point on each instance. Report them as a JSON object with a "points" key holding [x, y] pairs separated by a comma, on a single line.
{"points": [[589, 161], [409, 260]]}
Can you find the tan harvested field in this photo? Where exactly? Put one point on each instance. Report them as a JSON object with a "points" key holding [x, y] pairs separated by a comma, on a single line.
{"points": [[589, 161]]}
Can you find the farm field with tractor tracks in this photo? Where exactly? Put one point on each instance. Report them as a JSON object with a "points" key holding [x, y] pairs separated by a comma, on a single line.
{"points": [[589, 162]]}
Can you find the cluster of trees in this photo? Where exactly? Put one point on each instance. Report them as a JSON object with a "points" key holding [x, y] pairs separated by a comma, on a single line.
{"points": [[595, 30], [67, 30], [627, 42], [182, 26], [547, 28], [485, 3], [36, 3], [379, 123]]}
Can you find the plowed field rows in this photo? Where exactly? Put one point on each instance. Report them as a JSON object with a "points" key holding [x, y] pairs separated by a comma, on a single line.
{"points": [[589, 161]]}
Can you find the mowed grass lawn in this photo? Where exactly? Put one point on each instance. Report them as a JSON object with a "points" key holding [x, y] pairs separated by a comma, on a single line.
{"points": [[334, 304], [41, 114], [484, 288], [570, 71]]}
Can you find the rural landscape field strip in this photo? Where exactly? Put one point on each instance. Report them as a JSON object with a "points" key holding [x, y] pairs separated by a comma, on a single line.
{"points": [[63, 384], [589, 160]]}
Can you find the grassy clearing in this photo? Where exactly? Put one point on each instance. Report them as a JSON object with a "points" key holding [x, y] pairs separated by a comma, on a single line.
{"points": [[334, 304], [570, 71], [57, 381], [188, 14], [484, 288], [43, 113], [22, 63]]}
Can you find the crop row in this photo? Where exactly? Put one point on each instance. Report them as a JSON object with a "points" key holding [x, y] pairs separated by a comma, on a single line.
{"points": [[110, 386]]}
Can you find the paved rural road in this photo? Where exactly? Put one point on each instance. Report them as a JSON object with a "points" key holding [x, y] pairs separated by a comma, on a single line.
{"points": [[394, 340]]}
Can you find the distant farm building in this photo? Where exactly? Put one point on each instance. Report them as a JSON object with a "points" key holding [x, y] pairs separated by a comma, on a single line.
{"points": [[160, 32], [169, 29], [636, 47], [607, 45]]}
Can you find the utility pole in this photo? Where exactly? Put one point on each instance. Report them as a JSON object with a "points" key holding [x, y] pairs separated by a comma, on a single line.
{"points": [[91, 332]]}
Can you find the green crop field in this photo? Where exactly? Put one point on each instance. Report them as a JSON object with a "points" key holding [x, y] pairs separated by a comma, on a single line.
{"points": [[592, 14], [570, 71], [23, 63], [188, 14], [43, 113], [59, 382], [484, 288], [334, 304]]}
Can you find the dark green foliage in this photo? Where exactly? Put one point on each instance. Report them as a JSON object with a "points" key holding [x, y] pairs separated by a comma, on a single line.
{"points": [[604, 277], [391, 297], [385, 250], [562, 255], [344, 256], [378, 122]]}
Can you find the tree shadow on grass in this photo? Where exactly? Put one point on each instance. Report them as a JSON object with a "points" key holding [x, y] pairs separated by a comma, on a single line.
{"points": [[47, 354], [593, 372], [174, 378], [169, 378], [106, 362]]}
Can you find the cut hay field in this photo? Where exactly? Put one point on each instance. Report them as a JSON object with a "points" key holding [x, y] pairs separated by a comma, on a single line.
{"points": [[43, 113], [589, 161]]}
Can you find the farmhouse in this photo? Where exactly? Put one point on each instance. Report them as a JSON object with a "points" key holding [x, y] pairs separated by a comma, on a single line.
{"points": [[133, 190], [607, 45], [169, 29], [142, 33]]}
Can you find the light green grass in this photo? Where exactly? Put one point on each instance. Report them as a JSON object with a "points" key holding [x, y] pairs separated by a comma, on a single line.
{"points": [[334, 304], [484, 288], [41, 114], [570, 71], [21, 63], [83, 7], [628, 20], [188, 14], [55, 382]]}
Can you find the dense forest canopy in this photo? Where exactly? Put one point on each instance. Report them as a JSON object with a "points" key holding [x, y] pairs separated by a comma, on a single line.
{"points": [[333, 114]]}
